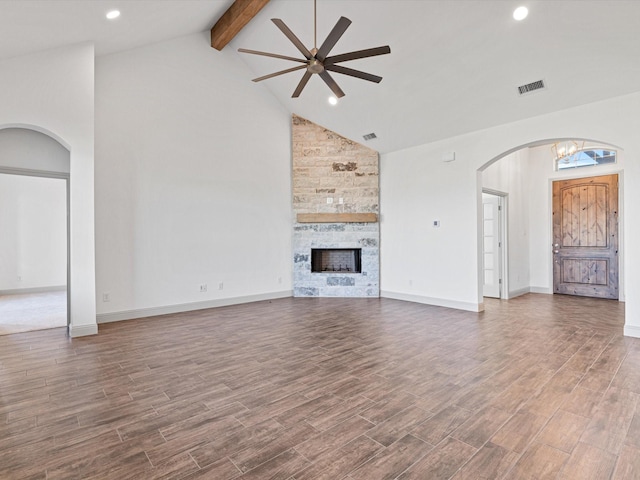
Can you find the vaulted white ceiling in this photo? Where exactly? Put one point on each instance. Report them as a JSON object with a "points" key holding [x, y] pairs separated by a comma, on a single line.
{"points": [[454, 65]]}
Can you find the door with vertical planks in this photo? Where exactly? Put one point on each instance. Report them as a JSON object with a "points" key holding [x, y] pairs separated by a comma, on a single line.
{"points": [[585, 236]]}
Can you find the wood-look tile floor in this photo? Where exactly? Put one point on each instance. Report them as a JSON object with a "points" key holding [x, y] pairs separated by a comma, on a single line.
{"points": [[540, 386]]}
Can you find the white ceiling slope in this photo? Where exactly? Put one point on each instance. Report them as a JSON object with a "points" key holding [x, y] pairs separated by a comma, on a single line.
{"points": [[454, 65], [27, 26]]}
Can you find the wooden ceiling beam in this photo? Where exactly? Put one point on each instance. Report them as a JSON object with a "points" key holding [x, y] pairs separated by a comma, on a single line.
{"points": [[233, 20]]}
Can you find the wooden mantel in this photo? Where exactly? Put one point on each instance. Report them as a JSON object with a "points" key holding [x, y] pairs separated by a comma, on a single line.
{"points": [[337, 217]]}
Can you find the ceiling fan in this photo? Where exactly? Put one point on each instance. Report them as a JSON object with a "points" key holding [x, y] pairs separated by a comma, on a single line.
{"points": [[316, 59]]}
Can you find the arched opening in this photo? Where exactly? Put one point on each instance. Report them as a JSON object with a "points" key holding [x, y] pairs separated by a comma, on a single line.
{"points": [[546, 142], [526, 175], [34, 218]]}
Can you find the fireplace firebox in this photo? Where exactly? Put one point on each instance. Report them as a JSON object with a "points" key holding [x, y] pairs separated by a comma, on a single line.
{"points": [[336, 260]]}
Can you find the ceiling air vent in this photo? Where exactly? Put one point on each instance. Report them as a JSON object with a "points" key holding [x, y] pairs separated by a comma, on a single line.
{"points": [[369, 136], [531, 87]]}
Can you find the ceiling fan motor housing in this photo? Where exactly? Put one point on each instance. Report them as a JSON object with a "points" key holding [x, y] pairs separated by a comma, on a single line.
{"points": [[315, 66]]}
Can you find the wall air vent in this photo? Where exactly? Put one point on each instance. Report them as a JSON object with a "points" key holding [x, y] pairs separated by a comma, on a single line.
{"points": [[531, 87], [369, 136]]}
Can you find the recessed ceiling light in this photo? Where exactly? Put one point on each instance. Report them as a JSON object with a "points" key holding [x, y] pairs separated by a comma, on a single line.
{"points": [[333, 100], [520, 13], [113, 14]]}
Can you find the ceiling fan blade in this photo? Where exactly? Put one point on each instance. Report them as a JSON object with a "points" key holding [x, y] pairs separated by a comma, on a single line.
{"points": [[369, 52], [291, 36], [328, 79], [354, 73], [302, 84], [282, 72], [333, 38], [274, 55]]}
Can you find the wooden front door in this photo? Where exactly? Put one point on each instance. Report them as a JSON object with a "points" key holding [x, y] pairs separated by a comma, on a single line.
{"points": [[585, 236]]}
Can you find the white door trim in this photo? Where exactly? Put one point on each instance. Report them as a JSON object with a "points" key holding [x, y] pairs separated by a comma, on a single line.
{"points": [[503, 236]]}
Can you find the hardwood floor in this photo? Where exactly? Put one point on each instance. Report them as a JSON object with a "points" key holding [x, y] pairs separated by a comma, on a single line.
{"points": [[540, 386]]}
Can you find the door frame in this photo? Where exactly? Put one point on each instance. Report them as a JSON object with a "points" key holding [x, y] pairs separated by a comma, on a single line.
{"points": [[589, 173], [59, 176], [504, 250]]}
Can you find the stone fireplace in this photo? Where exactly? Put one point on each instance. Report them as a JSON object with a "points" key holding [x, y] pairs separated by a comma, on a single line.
{"points": [[335, 199]]}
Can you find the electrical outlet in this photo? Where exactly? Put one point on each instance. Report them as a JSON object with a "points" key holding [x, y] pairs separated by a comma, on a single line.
{"points": [[220, 286], [203, 288], [341, 201], [329, 200], [106, 297], [279, 279]]}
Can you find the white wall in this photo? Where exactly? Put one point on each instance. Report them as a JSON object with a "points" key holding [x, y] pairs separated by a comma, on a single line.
{"points": [[52, 92], [417, 187], [510, 175], [33, 222], [193, 181], [420, 262]]}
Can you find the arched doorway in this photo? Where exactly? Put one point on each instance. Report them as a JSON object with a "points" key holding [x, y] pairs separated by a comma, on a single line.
{"points": [[34, 186], [526, 173]]}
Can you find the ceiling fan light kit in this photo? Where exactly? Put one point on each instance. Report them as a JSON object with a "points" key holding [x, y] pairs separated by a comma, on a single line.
{"points": [[316, 60]]}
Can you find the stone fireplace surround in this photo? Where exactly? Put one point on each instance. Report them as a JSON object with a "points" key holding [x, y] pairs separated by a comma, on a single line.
{"points": [[336, 284], [329, 166]]}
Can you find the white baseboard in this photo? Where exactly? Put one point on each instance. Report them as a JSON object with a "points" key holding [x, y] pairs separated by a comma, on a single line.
{"points": [[632, 331], [82, 330], [518, 292], [21, 291], [439, 302], [188, 307], [547, 290]]}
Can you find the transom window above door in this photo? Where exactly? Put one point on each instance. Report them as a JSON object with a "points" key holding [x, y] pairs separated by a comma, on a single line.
{"points": [[571, 155]]}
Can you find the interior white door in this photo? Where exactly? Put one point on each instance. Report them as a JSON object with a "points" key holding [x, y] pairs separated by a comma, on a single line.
{"points": [[491, 245]]}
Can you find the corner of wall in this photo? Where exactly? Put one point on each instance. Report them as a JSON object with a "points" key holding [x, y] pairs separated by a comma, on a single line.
{"points": [[76, 331], [632, 331]]}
